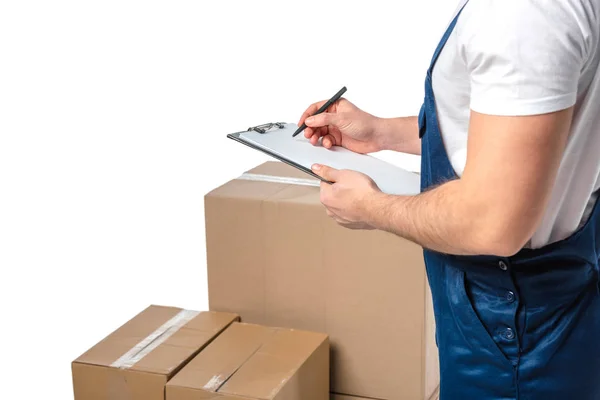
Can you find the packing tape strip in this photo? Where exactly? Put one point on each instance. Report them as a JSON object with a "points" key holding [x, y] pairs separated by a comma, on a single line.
{"points": [[155, 339], [279, 179]]}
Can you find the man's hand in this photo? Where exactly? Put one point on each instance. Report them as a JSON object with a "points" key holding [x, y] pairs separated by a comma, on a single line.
{"points": [[348, 198], [346, 125]]}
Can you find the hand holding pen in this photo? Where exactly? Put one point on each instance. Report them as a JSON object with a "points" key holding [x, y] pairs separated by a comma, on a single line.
{"points": [[340, 123]]}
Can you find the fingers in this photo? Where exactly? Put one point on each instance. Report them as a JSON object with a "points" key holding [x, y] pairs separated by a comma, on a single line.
{"points": [[314, 139], [325, 172], [318, 132], [310, 111], [358, 226], [328, 141], [314, 134], [346, 223], [322, 132], [318, 126], [323, 119], [336, 217]]}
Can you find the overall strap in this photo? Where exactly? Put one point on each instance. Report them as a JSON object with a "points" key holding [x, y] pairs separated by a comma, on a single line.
{"points": [[428, 85], [445, 39]]}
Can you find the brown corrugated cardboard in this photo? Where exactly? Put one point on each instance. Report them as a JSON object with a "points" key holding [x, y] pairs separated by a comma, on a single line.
{"points": [[344, 397], [434, 396], [257, 362], [136, 361], [275, 258]]}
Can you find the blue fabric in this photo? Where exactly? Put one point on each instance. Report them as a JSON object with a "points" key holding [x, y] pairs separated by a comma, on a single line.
{"points": [[520, 327]]}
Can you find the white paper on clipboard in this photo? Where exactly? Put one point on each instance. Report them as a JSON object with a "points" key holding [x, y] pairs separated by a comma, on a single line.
{"points": [[298, 150]]}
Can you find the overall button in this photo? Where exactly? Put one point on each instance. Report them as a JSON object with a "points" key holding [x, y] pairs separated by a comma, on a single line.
{"points": [[502, 265], [508, 334], [510, 296]]}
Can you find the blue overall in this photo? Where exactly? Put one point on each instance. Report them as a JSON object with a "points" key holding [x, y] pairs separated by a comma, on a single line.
{"points": [[520, 327]]}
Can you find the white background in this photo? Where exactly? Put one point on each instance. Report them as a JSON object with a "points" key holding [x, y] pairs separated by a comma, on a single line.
{"points": [[113, 116]]}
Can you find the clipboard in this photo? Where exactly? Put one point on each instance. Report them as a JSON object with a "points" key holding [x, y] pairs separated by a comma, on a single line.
{"points": [[264, 129], [275, 139]]}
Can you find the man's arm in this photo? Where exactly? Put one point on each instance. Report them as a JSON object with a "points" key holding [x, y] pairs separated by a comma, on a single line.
{"points": [[498, 203], [399, 134], [493, 209], [518, 82]]}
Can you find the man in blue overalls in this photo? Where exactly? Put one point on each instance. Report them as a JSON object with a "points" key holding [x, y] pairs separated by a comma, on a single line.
{"points": [[509, 135]]}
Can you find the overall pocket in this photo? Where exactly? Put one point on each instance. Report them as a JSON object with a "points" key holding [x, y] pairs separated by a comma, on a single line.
{"points": [[471, 328]]}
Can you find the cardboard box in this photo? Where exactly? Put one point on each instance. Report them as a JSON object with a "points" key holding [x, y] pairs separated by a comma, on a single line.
{"points": [[434, 396], [136, 361], [277, 259], [257, 362], [344, 397]]}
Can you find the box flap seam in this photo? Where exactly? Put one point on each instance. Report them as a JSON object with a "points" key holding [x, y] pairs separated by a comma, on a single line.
{"points": [[155, 339], [216, 383]]}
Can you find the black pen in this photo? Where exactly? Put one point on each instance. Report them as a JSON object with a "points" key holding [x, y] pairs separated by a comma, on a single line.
{"points": [[324, 107]]}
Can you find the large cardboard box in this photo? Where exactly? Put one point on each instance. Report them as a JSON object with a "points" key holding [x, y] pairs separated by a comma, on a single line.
{"points": [[257, 362], [434, 396], [136, 361], [275, 258], [344, 397]]}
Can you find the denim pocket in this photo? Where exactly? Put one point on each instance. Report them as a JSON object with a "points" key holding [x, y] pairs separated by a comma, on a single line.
{"points": [[470, 326]]}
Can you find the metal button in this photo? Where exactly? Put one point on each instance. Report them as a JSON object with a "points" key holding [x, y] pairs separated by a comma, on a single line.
{"points": [[510, 296], [503, 265], [509, 334]]}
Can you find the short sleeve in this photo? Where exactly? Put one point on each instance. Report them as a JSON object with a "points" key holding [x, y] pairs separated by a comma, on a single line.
{"points": [[523, 57]]}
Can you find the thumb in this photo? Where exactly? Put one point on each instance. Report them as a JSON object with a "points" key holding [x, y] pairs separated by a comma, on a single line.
{"points": [[325, 172], [323, 119]]}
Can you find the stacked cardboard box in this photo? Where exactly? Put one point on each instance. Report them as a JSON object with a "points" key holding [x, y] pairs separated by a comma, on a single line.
{"points": [[257, 362], [202, 356], [434, 396], [275, 258], [136, 361]]}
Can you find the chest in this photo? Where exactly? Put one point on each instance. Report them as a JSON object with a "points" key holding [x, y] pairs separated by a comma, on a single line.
{"points": [[450, 79]]}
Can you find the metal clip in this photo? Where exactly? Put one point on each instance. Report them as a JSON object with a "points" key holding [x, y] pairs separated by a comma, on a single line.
{"points": [[264, 128]]}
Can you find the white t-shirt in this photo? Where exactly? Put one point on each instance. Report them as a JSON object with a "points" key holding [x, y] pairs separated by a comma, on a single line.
{"points": [[527, 57]]}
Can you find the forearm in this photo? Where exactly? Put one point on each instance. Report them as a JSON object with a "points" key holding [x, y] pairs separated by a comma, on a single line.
{"points": [[445, 220], [399, 134]]}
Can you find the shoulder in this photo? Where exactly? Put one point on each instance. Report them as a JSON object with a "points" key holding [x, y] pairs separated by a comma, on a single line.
{"points": [[573, 22], [526, 57]]}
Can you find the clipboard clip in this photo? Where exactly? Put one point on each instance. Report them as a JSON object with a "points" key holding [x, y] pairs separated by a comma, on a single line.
{"points": [[264, 128]]}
